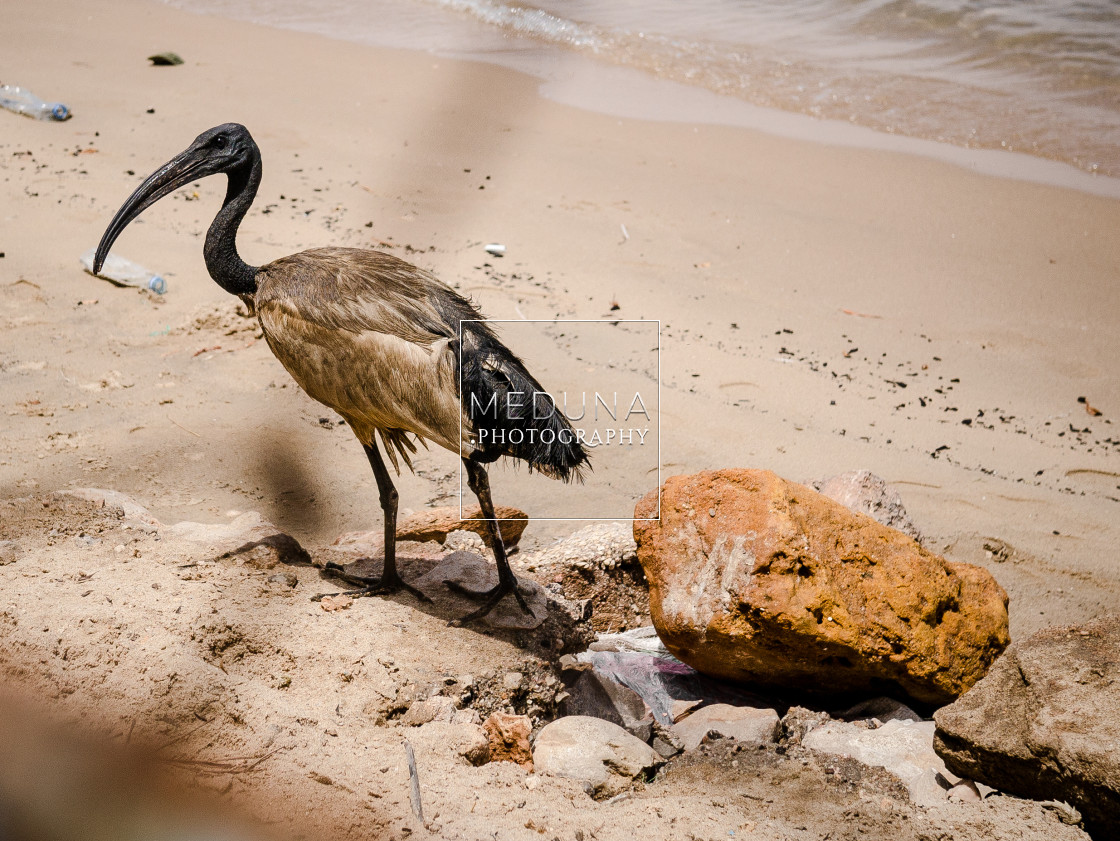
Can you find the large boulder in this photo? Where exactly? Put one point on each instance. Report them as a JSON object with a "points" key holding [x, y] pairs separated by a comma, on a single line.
{"points": [[756, 579], [1045, 722]]}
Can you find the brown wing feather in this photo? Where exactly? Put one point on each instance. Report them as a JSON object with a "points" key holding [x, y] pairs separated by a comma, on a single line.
{"points": [[362, 332]]}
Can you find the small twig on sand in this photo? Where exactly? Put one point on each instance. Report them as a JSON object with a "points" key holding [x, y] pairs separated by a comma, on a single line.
{"points": [[195, 434], [414, 779], [231, 765]]}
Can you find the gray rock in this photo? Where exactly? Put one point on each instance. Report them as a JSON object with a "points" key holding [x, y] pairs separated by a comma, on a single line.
{"points": [[905, 748], [749, 725], [286, 580], [665, 741], [602, 756], [864, 492], [473, 742], [596, 695], [1066, 814], [477, 573], [436, 708], [1044, 723]]}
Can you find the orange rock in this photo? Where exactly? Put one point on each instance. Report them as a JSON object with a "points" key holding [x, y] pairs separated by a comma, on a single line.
{"points": [[756, 579], [509, 739], [437, 523]]}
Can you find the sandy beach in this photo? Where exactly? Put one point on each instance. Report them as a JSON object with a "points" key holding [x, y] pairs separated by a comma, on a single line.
{"points": [[822, 308]]}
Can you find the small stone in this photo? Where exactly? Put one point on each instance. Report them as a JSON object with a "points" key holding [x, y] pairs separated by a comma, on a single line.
{"points": [[474, 743], [601, 755], [512, 681], [965, 792], [681, 709], [436, 708], [284, 579], [665, 741], [748, 725], [467, 716], [509, 739], [9, 552], [336, 603]]}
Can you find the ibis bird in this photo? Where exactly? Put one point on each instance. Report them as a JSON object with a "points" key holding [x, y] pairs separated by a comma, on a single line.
{"points": [[394, 351]]}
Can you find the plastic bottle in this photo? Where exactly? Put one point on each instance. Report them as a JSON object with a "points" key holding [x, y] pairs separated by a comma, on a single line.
{"points": [[25, 102], [124, 272]]}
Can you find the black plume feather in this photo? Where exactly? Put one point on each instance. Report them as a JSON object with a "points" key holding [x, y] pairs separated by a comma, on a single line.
{"points": [[510, 413]]}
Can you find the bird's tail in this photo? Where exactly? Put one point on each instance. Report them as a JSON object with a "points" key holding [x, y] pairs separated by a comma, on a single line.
{"points": [[512, 415]]}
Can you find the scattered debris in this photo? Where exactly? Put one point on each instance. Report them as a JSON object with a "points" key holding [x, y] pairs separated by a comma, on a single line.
{"points": [[168, 59], [1089, 409]]}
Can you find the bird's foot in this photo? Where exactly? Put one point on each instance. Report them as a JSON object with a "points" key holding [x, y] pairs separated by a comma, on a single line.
{"points": [[368, 585], [490, 599]]}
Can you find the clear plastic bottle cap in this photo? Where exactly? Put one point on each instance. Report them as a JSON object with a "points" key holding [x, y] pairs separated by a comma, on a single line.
{"points": [[157, 284]]}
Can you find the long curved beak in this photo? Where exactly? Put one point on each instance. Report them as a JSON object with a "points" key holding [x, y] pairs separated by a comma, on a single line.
{"points": [[185, 167]]}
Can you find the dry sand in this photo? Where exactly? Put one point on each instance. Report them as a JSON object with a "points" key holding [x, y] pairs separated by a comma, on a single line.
{"points": [[823, 309]]}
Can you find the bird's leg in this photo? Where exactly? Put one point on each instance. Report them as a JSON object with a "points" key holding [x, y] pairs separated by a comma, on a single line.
{"points": [[390, 579], [479, 483]]}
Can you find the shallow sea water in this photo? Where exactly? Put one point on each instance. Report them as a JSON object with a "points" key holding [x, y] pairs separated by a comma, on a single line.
{"points": [[1040, 77]]}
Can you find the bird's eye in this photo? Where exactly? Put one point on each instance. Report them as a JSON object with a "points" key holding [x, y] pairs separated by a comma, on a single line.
{"points": [[220, 141]]}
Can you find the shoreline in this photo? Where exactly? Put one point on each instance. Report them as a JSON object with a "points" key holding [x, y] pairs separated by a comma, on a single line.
{"points": [[567, 77]]}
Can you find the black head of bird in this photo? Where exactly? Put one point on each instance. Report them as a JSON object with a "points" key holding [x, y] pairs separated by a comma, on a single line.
{"points": [[227, 148], [383, 343]]}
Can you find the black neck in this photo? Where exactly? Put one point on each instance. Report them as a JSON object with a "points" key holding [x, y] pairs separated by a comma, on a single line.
{"points": [[222, 260]]}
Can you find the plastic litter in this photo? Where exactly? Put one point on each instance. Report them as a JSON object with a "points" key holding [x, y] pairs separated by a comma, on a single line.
{"points": [[639, 661], [124, 272], [22, 101], [495, 248]]}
